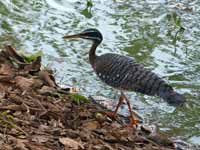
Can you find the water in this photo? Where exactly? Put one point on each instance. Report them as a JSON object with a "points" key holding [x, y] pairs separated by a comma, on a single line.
{"points": [[162, 34]]}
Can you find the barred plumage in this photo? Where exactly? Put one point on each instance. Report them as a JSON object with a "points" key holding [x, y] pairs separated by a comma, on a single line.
{"points": [[124, 73]]}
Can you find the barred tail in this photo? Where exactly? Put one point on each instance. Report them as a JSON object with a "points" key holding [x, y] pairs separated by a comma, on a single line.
{"points": [[170, 96]]}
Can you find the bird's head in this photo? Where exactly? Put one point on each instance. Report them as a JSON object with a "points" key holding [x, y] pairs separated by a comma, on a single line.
{"points": [[90, 34]]}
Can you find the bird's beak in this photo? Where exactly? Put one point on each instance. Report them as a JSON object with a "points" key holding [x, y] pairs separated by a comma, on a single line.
{"points": [[72, 36]]}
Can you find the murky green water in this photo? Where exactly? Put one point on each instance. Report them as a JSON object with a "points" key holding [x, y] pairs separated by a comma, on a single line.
{"points": [[150, 31]]}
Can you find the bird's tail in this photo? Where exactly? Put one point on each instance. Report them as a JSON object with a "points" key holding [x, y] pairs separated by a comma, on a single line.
{"points": [[168, 94]]}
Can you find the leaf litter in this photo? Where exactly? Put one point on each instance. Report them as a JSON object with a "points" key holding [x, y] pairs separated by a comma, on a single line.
{"points": [[37, 114]]}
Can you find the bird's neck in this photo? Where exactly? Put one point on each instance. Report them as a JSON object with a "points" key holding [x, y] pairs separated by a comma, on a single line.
{"points": [[92, 53]]}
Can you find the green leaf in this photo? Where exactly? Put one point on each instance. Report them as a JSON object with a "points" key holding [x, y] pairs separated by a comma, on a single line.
{"points": [[33, 57], [78, 99]]}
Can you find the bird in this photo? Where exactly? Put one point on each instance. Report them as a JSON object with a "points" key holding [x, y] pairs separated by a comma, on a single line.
{"points": [[125, 74]]}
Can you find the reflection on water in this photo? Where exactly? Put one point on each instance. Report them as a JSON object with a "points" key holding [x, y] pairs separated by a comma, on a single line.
{"points": [[163, 35]]}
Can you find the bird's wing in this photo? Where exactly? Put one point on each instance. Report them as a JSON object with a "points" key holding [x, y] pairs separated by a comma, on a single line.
{"points": [[124, 73]]}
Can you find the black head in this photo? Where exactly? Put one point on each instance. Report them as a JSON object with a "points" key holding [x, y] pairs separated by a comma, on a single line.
{"points": [[90, 34]]}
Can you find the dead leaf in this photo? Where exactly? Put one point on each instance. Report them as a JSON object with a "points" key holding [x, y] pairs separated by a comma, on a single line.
{"points": [[5, 147], [85, 135], [2, 95], [24, 83], [46, 90], [39, 138], [34, 66], [70, 143], [37, 84], [36, 146], [6, 69], [11, 52], [44, 75], [20, 144], [92, 125], [71, 133], [85, 114]]}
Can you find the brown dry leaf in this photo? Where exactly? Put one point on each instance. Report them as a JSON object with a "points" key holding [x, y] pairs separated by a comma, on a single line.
{"points": [[44, 75], [92, 125], [37, 84], [2, 94], [70, 133], [11, 52], [36, 146], [6, 78], [85, 114], [6, 69], [115, 125], [20, 144], [70, 143], [24, 83], [85, 135], [46, 90], [43, 127], [3, 88], [34, 66], [39, 138], [5, 147]]}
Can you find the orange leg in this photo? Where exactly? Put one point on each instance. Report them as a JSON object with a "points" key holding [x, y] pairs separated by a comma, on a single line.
{"points": [[120, 101], [134, 121], [113, 114]]}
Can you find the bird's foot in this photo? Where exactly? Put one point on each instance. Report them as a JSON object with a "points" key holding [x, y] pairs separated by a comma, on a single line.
{"points": [[132, 124]]}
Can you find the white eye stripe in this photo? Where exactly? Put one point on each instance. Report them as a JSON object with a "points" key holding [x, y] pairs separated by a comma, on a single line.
{"points": [[95, 38]]}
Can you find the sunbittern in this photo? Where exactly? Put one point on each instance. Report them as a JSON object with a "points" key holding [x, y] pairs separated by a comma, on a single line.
{"points": [[123, 73]]}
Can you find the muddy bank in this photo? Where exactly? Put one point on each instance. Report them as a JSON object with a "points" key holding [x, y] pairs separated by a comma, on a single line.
{"points": [[36, 114]]}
